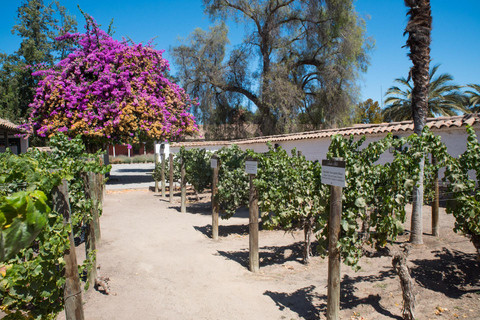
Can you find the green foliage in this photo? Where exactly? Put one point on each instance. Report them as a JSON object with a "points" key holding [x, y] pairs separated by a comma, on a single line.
{"points": [[466, 204], [368, 112], [289, 189], [376, 194], [22, 217], [157, 172], [444, 98], [233, 182], [37, 24], [295, 43], [290, 193], [34, 278], [197, 168]]}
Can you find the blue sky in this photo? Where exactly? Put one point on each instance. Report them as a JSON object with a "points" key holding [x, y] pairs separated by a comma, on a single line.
{"points": [[456, 32]]}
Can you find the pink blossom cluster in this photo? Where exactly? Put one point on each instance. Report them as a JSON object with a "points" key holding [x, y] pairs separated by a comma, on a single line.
{"points": [[110, 91]]}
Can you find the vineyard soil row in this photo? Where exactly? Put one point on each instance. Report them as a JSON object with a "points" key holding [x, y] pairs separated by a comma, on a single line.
{"points": [[163, 265]]}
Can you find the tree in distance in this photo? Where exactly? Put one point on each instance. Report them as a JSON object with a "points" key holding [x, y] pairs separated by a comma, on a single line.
{"points": [[368, 112], [296, 58], [38, 24], [444, 98], [473, 97]]}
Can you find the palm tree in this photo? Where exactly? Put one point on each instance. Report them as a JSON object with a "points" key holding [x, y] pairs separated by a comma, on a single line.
{"points": [[473, 97], [444, 98]]}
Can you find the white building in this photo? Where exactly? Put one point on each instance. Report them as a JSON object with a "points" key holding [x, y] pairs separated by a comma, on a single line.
{"points": [[314, 144], [8, 138]]}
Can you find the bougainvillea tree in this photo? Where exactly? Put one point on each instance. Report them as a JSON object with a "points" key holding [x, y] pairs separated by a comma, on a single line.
{"points": [[110, 91]]}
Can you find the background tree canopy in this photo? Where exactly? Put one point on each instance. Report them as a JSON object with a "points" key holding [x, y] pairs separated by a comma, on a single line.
{"points": [[444, 98], [38, 25], [297, 66]]}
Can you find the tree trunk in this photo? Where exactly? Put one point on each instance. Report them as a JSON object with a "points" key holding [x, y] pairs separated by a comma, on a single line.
{"points": [[399, 263], [419, 28], [307, 229], [416, 223], [475, 238]]}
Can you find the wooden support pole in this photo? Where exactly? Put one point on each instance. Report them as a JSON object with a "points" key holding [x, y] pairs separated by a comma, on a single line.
{"points": [[215, 206], [73, 291], [333, 291], [435, 204], [5, 138], [183, 183], [156, 163], [254, 261], [90, 240], [163, 174], [94, 194], [171, 188]]}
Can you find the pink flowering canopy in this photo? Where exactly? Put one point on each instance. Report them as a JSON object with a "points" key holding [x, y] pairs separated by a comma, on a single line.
{"points": [[110, 92]]}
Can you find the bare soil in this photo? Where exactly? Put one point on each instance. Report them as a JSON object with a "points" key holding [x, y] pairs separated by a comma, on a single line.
{"points": [[163, 265]]}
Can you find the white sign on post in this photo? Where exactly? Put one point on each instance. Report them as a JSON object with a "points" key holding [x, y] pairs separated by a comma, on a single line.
{"points": [[333, 173], [213, 163], [251, 167]]}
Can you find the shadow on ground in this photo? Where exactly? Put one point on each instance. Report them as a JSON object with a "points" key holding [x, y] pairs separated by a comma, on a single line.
{"points": [[268, 255], [452, 273], [128, 179], [301, 302], [308, 304], [223, 231]]}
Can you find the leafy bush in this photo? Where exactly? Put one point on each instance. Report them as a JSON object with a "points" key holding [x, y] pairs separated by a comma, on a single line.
{"points": [[465, 206], [32, 285], [233, 182], [290, 193], [197, 168]]}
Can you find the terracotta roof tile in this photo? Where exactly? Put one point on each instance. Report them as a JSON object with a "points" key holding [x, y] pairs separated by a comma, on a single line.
{"points": [[5, 124], [362, 129]]}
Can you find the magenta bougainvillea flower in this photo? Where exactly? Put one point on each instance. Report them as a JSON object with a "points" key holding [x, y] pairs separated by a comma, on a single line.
{"points": [[110, 91]]}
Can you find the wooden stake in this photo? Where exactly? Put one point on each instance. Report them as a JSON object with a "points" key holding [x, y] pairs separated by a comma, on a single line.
{"points": [[156, 163], [215, 206], [333, 291], [183, 206], [435, 204], [93, 193], [163, 174], [171, 188], [254, 264], [73, 291]]}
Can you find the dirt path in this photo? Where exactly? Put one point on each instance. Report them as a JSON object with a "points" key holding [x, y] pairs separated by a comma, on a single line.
{"points": [[162, 265]]}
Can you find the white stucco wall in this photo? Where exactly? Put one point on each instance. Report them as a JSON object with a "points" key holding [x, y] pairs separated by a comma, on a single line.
{"points": [[455, 139]]}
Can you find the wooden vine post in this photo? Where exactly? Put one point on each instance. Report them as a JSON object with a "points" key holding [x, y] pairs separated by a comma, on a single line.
{"points": [[171, 188], [254, 264], [163, 173], [183, 205], [73, 291], [90, 239], [94, 193], [333, 174], [156, 163], [214, 164], [435, 204]]}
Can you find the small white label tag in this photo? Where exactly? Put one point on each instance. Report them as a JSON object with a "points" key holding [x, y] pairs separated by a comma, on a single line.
{"points": [[251, 167]]}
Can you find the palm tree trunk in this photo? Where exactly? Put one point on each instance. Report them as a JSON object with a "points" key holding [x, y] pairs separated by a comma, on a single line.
{"points": [[419, 28]]}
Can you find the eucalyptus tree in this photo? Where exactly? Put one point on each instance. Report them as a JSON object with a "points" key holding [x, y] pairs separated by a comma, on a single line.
{"points": [[444, 98], [297, 57]]}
